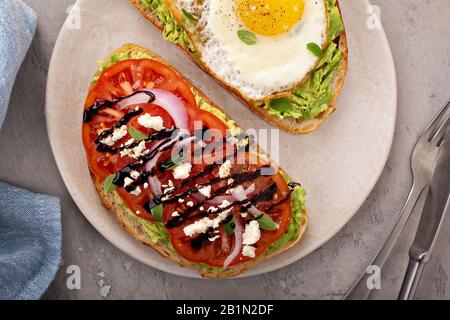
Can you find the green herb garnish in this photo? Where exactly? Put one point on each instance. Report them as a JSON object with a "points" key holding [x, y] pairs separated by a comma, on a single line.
{"points": [[247, 37], [315, 49], [108, 184], [157, 212], [136, 134], [172, 163], [266, 223], [229, 226], [189, 15]]}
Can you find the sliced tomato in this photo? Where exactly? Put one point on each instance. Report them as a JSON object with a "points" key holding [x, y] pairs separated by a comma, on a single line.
{"points": [[204, 119], [136, 203], [154, 111], [127, 76], [215, 253], [101, 164]]}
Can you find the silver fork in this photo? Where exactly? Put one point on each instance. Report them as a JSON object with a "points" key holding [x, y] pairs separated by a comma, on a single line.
{"points": [[423, 163]]}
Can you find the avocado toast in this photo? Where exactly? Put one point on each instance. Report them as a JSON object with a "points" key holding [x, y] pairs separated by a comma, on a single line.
{"points": [[124, 174], [300, 110]]}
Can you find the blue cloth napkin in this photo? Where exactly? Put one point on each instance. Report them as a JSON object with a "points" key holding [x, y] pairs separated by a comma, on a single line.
{"points": [[17, 26], [30, 242], [30, 224]]}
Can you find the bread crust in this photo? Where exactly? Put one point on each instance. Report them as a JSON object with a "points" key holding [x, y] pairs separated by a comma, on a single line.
{"points": [[133, 226], [289, 124]]}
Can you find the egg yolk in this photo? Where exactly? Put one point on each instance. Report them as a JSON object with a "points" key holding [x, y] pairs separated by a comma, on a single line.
{"points": [[270, 17]]}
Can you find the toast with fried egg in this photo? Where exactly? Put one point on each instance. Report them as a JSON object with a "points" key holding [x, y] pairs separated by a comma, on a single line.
{"points": [[297, 91]]}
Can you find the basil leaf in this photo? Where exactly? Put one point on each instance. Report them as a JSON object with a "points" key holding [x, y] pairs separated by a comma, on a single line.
{"points": [[189, 15], [247, 37], [229, 226], [281, 104], [266, 223], [157, 212], [315, 49], [172, 163], [108, 184], [136, 134]]}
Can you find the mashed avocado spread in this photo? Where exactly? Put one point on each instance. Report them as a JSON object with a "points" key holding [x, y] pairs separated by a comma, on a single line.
{"points": [[156, 231], [310, 98]]}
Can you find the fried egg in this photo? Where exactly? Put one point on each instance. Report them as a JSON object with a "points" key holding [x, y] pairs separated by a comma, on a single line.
{"points": [[277, 62]]}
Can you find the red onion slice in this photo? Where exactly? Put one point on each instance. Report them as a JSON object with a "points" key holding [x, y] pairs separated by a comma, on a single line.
{"points": [[153, 181], [237, 244], [198, 196], [255, 211], [239, 194], [138, 98], [220, 199], [155, 185], [166, 100]]}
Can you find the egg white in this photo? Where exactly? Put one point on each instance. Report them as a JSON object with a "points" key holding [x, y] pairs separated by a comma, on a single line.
{"points": [[274, 64]]}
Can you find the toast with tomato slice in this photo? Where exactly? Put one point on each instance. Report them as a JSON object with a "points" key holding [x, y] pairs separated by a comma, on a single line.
{"points": [[302, 108], [220, 217]]}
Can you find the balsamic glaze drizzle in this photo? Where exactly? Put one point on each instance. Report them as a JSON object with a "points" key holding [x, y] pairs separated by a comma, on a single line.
{"points": [[165, 136], [267, 194], [101, 147], [90, 112]]}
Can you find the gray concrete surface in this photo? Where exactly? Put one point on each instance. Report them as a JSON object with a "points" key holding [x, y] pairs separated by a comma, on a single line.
{"points": [[419, 33]]}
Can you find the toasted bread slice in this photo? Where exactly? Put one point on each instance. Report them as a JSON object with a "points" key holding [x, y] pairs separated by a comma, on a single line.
{"points": [[289, 124], [132, 223]]}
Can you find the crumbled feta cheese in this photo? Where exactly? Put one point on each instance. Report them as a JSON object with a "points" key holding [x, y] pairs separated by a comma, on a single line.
{"points": [[225, 170], [212, 209], [202, 209], [138, 212], [135, 174], [117, 134], [244, 215], [205, 191], [127, 182], [212, 239], [146, 185], [248, 251], [149, 122], [203, 225], [252, 233], [129, 142], [230, 181], [180, 200], [136, 152], [224, 204], [136, 192], [139, 150], [190, 204], [182, 171], [168, 190], [175, 214]]}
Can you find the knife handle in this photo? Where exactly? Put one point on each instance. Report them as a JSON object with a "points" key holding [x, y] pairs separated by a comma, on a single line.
{"points": [[412, 279]]}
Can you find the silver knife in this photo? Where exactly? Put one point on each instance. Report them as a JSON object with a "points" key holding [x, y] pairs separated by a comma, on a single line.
{"points": [[437, 205]]}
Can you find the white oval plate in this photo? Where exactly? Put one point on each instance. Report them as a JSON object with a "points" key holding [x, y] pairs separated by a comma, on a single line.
{"points": [[339, 164]]}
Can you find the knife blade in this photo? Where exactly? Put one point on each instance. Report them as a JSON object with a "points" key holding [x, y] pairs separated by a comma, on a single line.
{"points": [[437, 206]]}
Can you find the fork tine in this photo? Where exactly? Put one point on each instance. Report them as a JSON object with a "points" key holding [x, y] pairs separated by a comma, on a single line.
{"points": [[445, 135], [441, 130], [431, 129]]}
